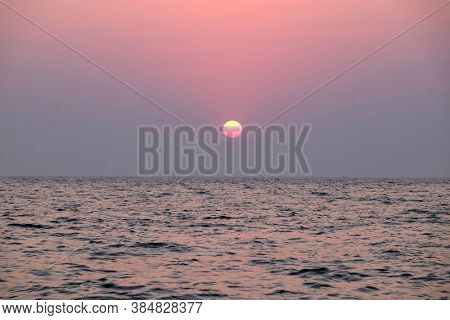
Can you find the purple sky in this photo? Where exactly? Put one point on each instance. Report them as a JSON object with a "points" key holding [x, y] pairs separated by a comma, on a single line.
{"points": [[211, 61]]}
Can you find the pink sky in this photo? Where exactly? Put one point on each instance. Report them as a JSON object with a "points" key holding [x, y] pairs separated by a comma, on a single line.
{"points": [[210, 61]]}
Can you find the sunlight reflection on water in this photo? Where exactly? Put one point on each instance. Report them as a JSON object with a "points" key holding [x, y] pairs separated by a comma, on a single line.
{"points": [[126, 238]]}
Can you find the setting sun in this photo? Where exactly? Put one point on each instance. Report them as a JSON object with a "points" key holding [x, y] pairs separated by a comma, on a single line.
{"points": [[232, 129]]}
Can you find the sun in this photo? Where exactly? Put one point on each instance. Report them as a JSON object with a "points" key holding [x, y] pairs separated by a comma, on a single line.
{"points": [[232, 129]]}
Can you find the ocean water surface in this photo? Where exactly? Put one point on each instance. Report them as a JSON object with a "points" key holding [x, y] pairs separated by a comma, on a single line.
{"points": [[133, 238]]}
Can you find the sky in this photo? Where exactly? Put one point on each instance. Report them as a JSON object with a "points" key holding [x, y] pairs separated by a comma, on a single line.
{"points": [[212, 61]]}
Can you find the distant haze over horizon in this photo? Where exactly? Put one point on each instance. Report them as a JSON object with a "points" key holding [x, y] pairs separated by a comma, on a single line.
{"points": [[211, 61]]}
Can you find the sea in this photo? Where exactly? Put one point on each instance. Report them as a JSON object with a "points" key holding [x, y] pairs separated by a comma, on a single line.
{"points": [[224, 238]]}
